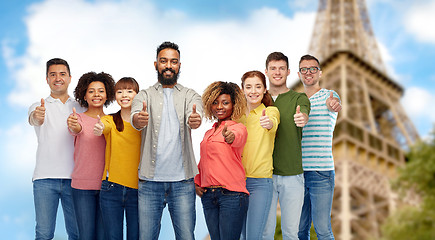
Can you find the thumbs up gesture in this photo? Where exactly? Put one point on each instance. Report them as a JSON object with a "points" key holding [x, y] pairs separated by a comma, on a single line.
{"points": [[332, 103], [140, 120], [73, 122], [98, 127], [228, 135], [38, 115], [194, 118], [265, 121], [300, 118]]}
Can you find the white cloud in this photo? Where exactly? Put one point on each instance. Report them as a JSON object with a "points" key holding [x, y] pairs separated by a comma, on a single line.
{"points": [[419, 19], [418, 104], [120, 37]]}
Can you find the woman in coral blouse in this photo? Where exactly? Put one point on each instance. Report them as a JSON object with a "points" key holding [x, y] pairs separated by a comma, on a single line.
{"points": [[221, 180]]}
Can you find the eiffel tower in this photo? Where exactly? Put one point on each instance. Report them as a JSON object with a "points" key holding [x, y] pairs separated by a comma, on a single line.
{"points": [[372, 132]]}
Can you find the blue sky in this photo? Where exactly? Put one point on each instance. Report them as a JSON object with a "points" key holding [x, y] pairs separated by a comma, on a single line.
{"points": [[219, 40]]}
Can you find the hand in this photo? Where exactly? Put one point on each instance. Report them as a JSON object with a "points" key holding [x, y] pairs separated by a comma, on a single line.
{"points": [[228, 135], [73, 122], [98, 127], [141, 119], [333, 104], [265, 121], [194, 119], [199, 190], [38, 115], [300, 119]]}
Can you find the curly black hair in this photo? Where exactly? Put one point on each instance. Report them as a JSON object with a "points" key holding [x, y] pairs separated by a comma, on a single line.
{"points": [[88, 78], [165, 45]]}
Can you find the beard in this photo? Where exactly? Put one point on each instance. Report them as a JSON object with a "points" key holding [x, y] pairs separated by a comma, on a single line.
{"points": [[167, 80]]}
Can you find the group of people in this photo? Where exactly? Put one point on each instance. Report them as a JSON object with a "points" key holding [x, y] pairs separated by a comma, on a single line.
{"points": [[265, 146]]}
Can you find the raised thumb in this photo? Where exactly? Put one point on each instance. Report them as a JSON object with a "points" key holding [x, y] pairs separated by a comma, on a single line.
{"points": [[194, 108], [298, 109]]}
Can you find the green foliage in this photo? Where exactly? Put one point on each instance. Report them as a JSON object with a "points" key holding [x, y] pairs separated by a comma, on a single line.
{"points": [[419, 176], [278, 231]]}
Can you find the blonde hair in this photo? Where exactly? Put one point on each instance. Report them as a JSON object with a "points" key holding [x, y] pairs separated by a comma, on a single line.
{"points": [[214, 90]]}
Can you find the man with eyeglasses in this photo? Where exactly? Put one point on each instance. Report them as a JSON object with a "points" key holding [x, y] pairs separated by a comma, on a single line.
{"points": [[288, 178], [317, 159]]}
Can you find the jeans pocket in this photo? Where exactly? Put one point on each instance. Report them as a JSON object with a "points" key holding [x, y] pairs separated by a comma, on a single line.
{"points": [[107, 186], [324, 174]]}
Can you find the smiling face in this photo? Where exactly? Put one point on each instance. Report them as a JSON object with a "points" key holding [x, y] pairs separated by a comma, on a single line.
{"points": [[277, 72], [222, 107], [124, 97], [254, 91], [168, 66], [310, 79], [96, 95], [58, 79]]}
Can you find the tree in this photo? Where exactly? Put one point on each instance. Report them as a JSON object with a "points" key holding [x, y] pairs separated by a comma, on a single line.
{"points": [[418, 175]]}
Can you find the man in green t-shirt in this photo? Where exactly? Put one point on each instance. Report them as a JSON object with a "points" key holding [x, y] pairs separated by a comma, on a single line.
{"points": [[288, 178]]}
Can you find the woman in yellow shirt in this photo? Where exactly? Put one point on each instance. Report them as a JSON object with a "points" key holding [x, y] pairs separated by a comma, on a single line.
{"points": [[120, 177], [261, 121]]}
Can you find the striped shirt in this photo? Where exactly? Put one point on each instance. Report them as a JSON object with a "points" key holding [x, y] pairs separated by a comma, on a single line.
{"points": [[317, 134]]}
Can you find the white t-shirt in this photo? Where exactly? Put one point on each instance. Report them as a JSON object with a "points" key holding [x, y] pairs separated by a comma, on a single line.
{"points": [[54, 155]]}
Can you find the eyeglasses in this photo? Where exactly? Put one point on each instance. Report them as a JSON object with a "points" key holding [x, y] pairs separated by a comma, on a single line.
{"points": [[313, 70]]}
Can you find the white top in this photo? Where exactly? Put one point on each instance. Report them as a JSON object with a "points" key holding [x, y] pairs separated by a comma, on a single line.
{"points": [[54, 155], [317, 134]]}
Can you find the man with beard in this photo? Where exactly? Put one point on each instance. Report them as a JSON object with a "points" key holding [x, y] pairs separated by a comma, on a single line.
{"points": [[166, 112]]}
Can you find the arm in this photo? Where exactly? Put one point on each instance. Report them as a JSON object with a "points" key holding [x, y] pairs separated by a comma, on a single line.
{"points": [[273, 114], [37, 116], [236, 135], [194, 110], [333, 103], [138, 106], [73, 123], [302, 110]]}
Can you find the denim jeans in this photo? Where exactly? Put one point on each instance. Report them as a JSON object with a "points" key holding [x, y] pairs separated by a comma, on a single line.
{"points": [[88, 213], [46, 195], [153, 197], [319, 192], [260, 197], [290, 192], [224, 212], [115, 199]]}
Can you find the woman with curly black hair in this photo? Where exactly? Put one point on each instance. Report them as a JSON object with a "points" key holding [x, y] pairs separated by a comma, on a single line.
{"points": [[221, 180], [93, 92]]}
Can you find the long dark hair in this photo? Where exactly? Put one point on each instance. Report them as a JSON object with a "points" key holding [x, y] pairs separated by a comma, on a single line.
{"points": [[123, 83]]}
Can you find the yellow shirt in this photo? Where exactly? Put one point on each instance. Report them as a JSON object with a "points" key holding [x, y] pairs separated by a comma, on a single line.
{"points": [[257, 154], [122, 153]]}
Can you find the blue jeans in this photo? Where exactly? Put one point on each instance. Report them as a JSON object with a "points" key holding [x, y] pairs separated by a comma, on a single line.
{"points": [[260, 197], [290, 192], [46, 195], [224, 212], [88, 213], [180, 197], [319, 192], [114, 200]]}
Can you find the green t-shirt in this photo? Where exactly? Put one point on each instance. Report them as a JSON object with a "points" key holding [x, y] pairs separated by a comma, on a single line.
{"points": [[287, 154]]}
